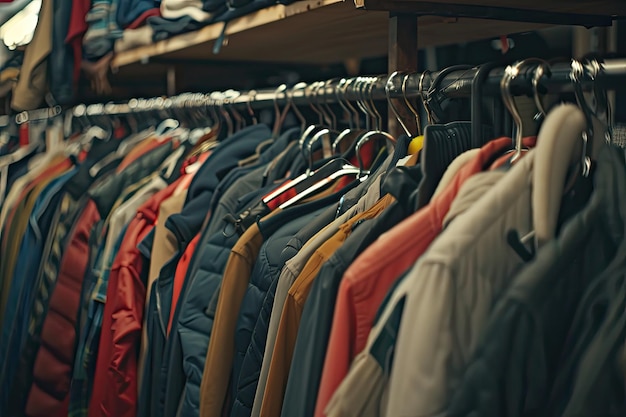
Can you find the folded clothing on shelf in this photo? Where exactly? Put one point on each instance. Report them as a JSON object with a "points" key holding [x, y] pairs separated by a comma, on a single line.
{"points": [[180, 16], [174, 9], [129, 11], [134, 38]]}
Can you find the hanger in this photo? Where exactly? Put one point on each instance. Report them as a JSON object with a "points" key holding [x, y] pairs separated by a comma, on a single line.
{"points": [[310, 132], [309, 182], [210, 112], [443, 143], [251, 96], [166, 126], [510, 73], [423, 95], [481, 75], [217, 104], [413, 110], [416, 118], [597, 131], [542, 69], [353, 130], [377, 133], [339, 167], [169, 165], [388, 86], [346, 169], [436, 94], [325, 135], [125, 145], [290, 94], [241, 122], [279, 117]]}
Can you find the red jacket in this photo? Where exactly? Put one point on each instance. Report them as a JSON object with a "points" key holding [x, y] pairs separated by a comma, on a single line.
{"points": [[53, 365], [76, 31], [115, 389], [179, 277]]}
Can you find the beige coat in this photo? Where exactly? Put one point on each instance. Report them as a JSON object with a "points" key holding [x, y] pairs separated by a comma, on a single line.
{"points": [[453, 288]]}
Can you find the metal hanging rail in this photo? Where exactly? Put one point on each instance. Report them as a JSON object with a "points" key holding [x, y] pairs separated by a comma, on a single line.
{"points": [[610, 74]]}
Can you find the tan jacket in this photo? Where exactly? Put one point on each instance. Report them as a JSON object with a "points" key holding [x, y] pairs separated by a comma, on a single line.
{"points": [[164, 247], [32, 85], [221, 350]]}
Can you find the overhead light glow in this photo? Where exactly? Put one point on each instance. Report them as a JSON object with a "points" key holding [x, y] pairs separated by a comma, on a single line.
{"points": [[18, 31]]}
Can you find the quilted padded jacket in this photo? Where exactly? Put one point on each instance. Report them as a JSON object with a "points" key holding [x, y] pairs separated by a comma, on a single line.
{"points": [[235, 192], [185, 225], [250, 344]]}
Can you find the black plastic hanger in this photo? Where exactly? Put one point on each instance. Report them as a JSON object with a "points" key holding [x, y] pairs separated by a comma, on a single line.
{"points": [[442, 142], [477, 98]]}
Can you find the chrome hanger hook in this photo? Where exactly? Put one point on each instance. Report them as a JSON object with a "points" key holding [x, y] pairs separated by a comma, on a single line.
{"points": [[418, 118], [354, 111], [388, 85], [296, 110], [510, 73], [423, 95], [373, 83], [251, 97], [340, 95], [542, 69]]}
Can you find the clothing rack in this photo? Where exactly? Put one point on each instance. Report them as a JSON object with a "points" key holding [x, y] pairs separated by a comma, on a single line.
{"points": [[457, 83]]}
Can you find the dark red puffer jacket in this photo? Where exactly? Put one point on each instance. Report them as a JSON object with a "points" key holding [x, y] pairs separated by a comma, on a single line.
{"points": [[53, 365]]}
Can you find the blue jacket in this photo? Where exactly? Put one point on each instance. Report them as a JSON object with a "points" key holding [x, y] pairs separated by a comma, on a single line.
{"points": [[191, 328], [255, 315], [240, 188], [24, 277], [185, 225]]}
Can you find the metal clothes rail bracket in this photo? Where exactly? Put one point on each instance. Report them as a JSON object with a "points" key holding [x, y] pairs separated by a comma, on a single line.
{"points": [[424, 8], [403, 16]]}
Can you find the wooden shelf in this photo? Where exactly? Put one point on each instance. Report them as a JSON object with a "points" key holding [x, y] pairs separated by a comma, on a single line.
{"points": [[558, 12], [595, 7], [312, 31], [305, 31], [334, 31]]}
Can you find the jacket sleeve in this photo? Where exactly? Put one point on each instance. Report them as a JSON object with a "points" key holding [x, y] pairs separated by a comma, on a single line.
{"points": [[116, 391], [221, 351], [429, 353], [287, 277], [340, 350], [126, 327], [281, 358]]}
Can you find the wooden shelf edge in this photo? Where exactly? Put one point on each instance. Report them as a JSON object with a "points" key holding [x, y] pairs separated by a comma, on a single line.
{"points": [[478, 10], [212, 32]]}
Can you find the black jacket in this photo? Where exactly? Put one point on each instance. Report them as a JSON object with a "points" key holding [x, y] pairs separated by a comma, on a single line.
{"points": [[61, 60]]}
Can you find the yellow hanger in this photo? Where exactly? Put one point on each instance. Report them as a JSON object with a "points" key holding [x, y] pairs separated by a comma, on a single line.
{"points": [[416, 145]]}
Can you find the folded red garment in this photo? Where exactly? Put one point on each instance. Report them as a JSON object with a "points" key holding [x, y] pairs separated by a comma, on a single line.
{"points": [[141, 20]]}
